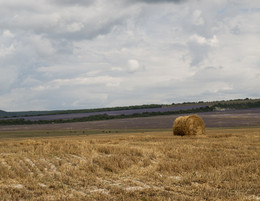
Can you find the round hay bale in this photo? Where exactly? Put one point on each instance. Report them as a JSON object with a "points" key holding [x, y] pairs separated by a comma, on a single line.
{"points": [[189, 125]]}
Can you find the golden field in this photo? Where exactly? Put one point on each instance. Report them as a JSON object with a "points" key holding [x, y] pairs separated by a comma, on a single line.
{"points": [[137, 165]]}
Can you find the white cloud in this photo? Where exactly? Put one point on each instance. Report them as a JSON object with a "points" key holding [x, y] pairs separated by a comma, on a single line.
{"points": [[133, 65], [8, 34], [103, 80], [79, 81], [4, 51], [203, 41], [75, 27]]}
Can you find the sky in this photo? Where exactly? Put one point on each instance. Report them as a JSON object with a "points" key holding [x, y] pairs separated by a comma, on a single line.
{"points": [[76, 54]]}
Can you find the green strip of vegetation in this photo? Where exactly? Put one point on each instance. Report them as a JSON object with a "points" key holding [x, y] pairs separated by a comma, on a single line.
{"points": [[238, 105]]}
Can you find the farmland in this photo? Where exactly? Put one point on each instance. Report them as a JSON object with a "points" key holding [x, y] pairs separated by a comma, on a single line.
{"points": [[147, 165], [133, 159], [110, 113], [230, 118], [64, 116]]}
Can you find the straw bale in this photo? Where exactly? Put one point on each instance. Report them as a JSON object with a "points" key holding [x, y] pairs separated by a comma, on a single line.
{"points": [[189, 125]]}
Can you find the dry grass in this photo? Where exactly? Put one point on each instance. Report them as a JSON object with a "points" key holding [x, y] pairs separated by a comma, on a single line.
{"points": [[224, 165]]}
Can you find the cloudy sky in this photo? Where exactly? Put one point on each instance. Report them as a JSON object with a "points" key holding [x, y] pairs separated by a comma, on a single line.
{"points": [[72, 54]]}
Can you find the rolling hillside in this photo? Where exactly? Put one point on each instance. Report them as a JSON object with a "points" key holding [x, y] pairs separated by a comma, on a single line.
{"points": [[66, 116]]}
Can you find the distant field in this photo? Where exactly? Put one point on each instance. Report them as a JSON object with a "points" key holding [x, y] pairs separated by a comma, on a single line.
{"points": [[142, 165], [231, 118], [110, 113]]}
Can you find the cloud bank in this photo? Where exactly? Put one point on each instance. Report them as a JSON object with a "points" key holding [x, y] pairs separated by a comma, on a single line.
{"points": [[84, 54]]}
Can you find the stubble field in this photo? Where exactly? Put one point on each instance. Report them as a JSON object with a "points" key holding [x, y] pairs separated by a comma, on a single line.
{"points": [[223, 165]]}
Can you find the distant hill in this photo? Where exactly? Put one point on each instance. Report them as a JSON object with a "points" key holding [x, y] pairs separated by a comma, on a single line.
{"points": [[39, 113], [145, 110], [2, 112], [24, 114]]}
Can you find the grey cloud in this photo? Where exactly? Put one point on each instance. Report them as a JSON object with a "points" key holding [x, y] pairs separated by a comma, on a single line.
{"points": [[223, 82], [159, 1], [211, 74], [73, 2], [197, 52], [235, 30], [90, 30], [8, 76], [79, 23], [200, 47]]}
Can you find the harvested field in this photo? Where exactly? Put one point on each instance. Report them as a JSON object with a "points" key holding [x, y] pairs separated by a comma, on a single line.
{"points": [[223, 165]]}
